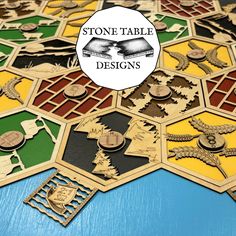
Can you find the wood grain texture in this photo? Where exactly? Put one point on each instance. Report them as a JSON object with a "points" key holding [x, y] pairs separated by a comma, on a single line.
{"points": [[160, 203]]}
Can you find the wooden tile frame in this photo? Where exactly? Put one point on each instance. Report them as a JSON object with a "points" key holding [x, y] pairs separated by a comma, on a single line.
{"points": [[37, 168], [93, 179], [218, 186]]}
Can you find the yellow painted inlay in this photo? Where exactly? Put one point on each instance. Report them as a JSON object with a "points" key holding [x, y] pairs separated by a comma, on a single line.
{"points": [[90, 8], [22, 88], [193, 69], [193, 164]]}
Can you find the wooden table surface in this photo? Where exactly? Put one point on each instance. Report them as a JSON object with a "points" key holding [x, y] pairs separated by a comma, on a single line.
{"points": [[160, 203]]}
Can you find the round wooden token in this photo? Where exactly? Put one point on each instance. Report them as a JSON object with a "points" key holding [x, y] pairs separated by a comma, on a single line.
{"points": [[160, 26], [28, 27], [111, 141], [13, 5], [187, 3], [196, 54], [11, 140], [128, 4], [160, 92], [70, 5], [75, 91], [211, 142]]}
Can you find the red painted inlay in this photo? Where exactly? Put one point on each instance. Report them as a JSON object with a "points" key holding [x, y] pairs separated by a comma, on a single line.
{"points": [[232, 98], [59, 85], [102, 93], [42, 97], [204, 3], [61, 111], [106, 103], [227, 107], [86, 106], [47, 107], [43, 85], [216, 98], [74, 75], [55, 78], [72, 116], [82, 81], [93, 85], [232, 74], [201, 9], [59, 98], [226, 84], [210, 86]]}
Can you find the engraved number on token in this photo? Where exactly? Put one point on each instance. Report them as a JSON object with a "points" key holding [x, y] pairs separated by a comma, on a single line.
{"points": [[75, 91], [70, 5], [160, 26], [128, 4], [160, 92], [11, 140], [13, 5], [111, 141], [28, 27], [187, 3], [196, 54], [212, 142]]}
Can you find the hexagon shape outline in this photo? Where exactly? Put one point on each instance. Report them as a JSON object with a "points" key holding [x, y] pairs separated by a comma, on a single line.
{"points": [[166, 119], [193, 28], [37, 168], [216, 5], [56, 117], [230, 52], [92, 179], [206, 97], [29, 16], [20, 72], [218, 186]]}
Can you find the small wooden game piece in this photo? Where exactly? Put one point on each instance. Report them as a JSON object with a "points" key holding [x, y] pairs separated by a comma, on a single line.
{"points": [[160, 26], [75, 91], [196, 54], [111, 141], [212, 142], [128, 4], [28, 27], [160, 92], [70, 5], [11, 140], [13, 5], [187, 3]]}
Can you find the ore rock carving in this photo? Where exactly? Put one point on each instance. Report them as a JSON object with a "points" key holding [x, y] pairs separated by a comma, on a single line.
{"points": [[210, 142]]}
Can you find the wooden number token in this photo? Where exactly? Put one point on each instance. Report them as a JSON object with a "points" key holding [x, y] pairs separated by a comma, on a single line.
{"points": [[70, 5], [128, 4], [111, 141], [11, 140], [196, 54], [28, 27], [187, 3], [211, 142], [76, 91], [160, 92], [13, 5], [160, 26]]}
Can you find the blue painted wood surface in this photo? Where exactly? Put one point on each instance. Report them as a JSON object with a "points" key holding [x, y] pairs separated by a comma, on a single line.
{"points": [[160, 203]]}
